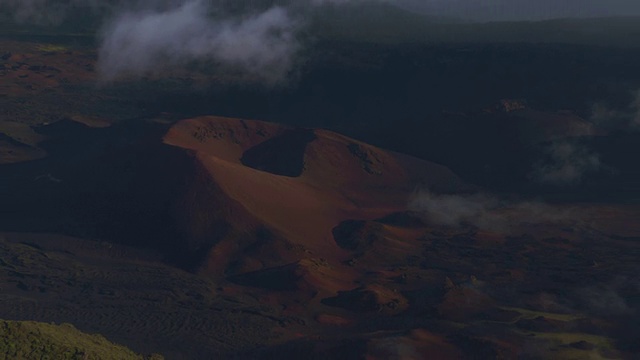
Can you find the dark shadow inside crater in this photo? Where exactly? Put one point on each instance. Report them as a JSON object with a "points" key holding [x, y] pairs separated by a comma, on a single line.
{"points": [[281, 155]]}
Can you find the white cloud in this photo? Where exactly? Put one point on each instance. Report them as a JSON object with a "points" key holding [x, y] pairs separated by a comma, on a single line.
{"points": [[485, 211], [141, 42]]}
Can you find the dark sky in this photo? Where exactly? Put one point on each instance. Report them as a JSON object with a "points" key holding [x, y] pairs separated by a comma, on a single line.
{"points": [[525, 9]]}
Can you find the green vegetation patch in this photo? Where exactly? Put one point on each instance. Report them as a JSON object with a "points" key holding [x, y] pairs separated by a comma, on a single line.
{"points": [[566, 346], [530, 314], [34, 340]]}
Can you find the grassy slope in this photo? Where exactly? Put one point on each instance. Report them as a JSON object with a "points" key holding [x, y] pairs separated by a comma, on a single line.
{"points": [[33, 340]]}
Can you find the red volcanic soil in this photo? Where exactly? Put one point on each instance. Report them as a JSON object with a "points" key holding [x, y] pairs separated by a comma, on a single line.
{"points": [[316, 224], [33, 68], [295, 184], [294, 243], [303, 247]]}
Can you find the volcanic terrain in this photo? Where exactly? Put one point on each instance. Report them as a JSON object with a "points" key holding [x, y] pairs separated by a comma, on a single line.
{"points": [[128, 210], [280, 234]]}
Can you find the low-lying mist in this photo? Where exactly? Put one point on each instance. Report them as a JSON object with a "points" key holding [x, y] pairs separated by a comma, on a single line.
{"points": [[489, 212]]}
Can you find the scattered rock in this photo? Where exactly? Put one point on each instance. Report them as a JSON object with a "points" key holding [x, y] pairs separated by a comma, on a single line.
{"points": [[368, 299]]}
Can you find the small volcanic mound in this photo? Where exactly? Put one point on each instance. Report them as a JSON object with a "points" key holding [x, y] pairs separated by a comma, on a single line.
{"points": [[373, 242], [464, 302], [356, 235], [307, 275], [370, 298], [62, 127]]}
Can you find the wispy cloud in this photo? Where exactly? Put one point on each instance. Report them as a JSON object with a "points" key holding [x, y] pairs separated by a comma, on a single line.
{"points": [[486, 212], [565, 163], [625, 119], [138, 43]]}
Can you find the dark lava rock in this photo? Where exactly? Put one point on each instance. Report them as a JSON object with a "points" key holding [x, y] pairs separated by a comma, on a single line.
{"points": [[582, 345], [368, 299], [356, 235], [540, 324]]}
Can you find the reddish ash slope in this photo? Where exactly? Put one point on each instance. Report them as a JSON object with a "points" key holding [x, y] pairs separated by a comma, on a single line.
{"points": [[290, 187]]}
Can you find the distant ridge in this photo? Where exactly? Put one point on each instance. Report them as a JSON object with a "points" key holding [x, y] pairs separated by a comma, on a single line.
{"points": [[388, 24]]}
